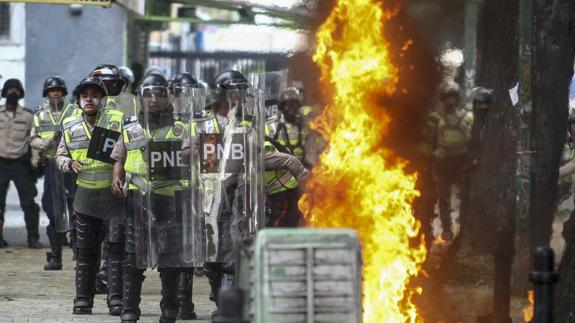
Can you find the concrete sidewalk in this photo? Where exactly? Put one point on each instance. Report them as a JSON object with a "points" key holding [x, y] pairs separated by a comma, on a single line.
{"points": [[30, 294]]}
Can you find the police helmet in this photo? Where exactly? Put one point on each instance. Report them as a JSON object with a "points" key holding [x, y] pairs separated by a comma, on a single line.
{"points": [[154, 69], [90, 82], [153, 80], [110, 74], [482, 95], [229, 80], [127, 75], [182, 81], [449, 89], [291, 93], [54, 82], [12, 83]]}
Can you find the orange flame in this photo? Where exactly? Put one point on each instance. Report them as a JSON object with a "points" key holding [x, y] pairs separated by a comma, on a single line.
{"points": [[357, 183], [528, 311]]}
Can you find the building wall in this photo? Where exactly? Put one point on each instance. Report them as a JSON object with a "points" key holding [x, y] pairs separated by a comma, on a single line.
{"points": [[59, 43], [12, 49]]}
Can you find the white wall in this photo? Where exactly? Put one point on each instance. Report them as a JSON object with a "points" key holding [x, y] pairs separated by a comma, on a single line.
{"points": [[13, 49]]}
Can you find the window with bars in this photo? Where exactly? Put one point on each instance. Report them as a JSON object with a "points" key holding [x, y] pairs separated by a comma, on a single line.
{"points": [[4, 20]]}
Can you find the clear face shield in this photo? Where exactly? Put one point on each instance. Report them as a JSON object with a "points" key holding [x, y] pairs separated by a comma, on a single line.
{"points": [[182, 100], [156, 108]]}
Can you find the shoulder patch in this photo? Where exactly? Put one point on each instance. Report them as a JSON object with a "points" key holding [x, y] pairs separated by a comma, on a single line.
{"points": [[177, 129], [114, 125]]}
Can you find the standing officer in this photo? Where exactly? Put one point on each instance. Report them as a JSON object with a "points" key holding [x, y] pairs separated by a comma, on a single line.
{"points": [[154, 195], [226, 196], [46, 136], [129, 105], [179, 87], [290, 133], [15, 160], [448, 133], [87, 135]]}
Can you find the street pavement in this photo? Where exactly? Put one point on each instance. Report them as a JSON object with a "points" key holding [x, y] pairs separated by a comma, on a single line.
{"points": [[30, 294]]}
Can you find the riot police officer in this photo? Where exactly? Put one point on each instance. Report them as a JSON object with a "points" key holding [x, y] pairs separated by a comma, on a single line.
{"points": [[448, 133], [229, 189], [151, 191], [128, 104], [179, 85], [16, 125], [84, 149], [290, 132], [46, 136]]}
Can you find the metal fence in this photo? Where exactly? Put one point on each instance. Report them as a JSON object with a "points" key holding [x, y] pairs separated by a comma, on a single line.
{"points": [[264, 71]]}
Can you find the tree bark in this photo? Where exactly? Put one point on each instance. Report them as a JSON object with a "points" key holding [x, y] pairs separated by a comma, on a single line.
{"points": [[492, 184], [554, 55]]}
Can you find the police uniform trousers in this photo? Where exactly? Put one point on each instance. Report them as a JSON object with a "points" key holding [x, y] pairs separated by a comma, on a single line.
{"points": [[20, 172], [284, 211], [50, 182], [133, 274], [448, 172], [102, 207]]}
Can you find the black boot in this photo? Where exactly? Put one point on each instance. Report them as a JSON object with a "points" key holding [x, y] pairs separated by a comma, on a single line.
{"points": [[32, 219], [215, 274], [185, 291], [54, 258], [115, 277], [85, 275], [132, 289], [169, 302], [102, 279]]}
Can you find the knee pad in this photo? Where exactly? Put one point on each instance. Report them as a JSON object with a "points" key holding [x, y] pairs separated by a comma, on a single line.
{"points": [[116, 250], [116, 230]]}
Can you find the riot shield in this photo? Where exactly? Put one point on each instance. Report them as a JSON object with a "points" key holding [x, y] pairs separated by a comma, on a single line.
{"points": [[183, 102], [162, 184], [125, 102], [59, 197], [227, 193]]}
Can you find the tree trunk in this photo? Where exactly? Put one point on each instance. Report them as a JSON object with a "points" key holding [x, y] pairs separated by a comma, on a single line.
{"points": [[492, 185], [554, 55]]}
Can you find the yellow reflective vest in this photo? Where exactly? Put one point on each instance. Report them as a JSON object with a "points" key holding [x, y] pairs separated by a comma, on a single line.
{"points": [[46, 124], [77, 135], [135, 141], [277, 180]]}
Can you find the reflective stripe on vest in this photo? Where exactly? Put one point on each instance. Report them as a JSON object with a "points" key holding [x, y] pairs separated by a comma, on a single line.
{"points": [[95, 174], [278, 180], [45, 124], [291, 137]]}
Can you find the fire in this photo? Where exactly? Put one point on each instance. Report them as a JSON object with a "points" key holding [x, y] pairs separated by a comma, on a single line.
{"points": [[528, 311], [357, 183]]}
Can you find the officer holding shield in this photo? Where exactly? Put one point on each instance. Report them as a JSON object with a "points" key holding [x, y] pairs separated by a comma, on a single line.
{"points": [[149, 154], [229, 143], [45, 137], [85, 149]]}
